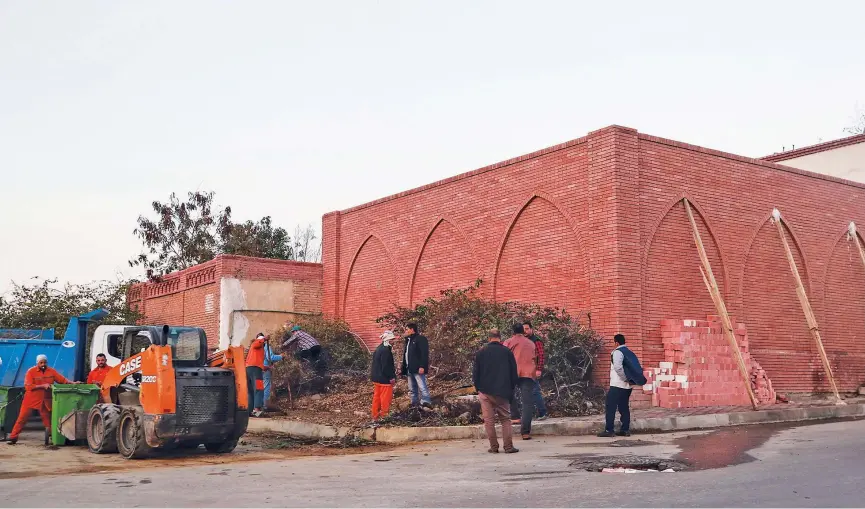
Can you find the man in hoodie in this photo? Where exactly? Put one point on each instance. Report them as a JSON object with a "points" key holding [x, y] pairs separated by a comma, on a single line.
{"points": [[383, 376], [525, 353], [254, 371], [494, 375], [415, 365]]}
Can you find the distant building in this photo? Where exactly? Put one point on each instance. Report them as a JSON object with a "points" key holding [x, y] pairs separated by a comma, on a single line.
{"points": [[844, 158]]}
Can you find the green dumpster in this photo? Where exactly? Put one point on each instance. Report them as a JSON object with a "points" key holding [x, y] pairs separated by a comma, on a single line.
{"points": [[10, 406], [70, 404]]}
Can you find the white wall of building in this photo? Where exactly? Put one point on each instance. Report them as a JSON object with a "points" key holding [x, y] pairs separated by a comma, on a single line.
{"points": [[846, 162]]}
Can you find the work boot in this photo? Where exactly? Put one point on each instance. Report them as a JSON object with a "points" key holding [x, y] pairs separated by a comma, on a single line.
{"points": [[624, 433], [606, 434], [12, 441], [511, 450], [494, 450]]}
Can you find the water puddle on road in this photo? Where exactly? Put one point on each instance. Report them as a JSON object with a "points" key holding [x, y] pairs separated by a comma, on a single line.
{"points": [[731, 446]]}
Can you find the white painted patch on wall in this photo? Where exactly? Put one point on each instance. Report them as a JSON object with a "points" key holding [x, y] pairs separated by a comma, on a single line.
{"points": [[231, 297], [208, 303]]}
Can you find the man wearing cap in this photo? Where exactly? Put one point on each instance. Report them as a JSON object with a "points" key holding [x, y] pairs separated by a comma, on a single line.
{"points": [[383, 376], [254, 374], [305, 347], [37, 395]]}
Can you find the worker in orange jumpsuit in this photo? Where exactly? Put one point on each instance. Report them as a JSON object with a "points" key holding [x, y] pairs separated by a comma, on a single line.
{"points": [[97, 375], [37, 395], [383, 376]]}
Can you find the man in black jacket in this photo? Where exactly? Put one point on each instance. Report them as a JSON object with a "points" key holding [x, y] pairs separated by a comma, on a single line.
{"points": [[415, 364], [495, 375], [383, 376]]}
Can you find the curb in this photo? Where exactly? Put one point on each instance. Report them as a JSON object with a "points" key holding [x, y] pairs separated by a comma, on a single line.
{"points": [[561, 426]]}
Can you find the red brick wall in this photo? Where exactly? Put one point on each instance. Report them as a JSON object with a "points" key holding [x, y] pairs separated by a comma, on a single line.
{"points": [[597, 225], [191, 296]]}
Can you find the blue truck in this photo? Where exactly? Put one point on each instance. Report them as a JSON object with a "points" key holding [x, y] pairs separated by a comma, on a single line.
{"points": [[18, 351]]}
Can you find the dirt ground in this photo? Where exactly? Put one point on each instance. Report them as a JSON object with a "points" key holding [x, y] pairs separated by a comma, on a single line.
{"points": [[31, 458]]}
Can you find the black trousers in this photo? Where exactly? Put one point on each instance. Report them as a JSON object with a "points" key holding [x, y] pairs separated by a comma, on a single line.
{"points": [[618, 399], [523, 394], [315, 357]]}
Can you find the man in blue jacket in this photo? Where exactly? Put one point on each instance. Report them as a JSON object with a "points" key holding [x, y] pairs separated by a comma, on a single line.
{"points": [[270, 359]]}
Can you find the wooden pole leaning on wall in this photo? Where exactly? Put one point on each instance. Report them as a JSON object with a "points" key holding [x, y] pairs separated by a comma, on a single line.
{"points": [[806, 306], [720, 307]]}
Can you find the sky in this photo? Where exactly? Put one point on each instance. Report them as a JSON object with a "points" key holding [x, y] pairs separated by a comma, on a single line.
{"points": [[294, 109]]}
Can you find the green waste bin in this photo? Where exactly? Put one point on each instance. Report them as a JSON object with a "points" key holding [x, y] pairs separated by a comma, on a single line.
{"points": [[70, 404], [10, 407]]}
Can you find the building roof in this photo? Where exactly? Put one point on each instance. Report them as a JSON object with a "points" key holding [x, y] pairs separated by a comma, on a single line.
{"points": [[813, 149]]}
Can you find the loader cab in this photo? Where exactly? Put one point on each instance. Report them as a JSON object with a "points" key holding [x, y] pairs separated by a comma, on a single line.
{"points": [[188, 344]]}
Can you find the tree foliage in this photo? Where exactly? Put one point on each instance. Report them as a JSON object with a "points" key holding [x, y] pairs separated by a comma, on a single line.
{"points": [[858, 126], [41, 304], [186, 233]]}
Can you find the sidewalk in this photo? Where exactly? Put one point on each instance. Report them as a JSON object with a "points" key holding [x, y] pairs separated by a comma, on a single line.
{"points": [[642, 420]]}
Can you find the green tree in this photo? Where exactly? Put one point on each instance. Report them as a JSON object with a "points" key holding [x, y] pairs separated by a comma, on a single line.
{"points": [[41, 304]]}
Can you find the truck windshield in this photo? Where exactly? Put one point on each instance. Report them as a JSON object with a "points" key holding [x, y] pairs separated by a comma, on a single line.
{"points": [[185, 343]]}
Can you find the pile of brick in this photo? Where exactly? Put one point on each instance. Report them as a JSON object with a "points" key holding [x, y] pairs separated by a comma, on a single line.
{"points": [[700, 367]]}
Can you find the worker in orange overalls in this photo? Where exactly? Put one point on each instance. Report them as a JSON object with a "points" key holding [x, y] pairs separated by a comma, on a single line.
{"points": [[97, 375], [37, 395], [383, 376]]}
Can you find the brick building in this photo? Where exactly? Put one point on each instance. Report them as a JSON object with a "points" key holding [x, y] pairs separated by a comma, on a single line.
{"points": [[232, 297], [597, 226]]}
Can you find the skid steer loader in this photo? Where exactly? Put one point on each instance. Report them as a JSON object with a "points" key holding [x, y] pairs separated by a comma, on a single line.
{"points": [[166, 393]]}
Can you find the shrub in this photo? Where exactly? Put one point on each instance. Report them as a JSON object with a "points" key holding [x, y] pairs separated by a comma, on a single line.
{"points": [[456, 324]]}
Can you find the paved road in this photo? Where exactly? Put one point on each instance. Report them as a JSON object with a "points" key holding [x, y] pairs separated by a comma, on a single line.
{"points": [[807, 466]]}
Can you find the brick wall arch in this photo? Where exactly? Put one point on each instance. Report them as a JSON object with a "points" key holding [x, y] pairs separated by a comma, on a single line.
{"points": [[445, 260], [371, 289], [673, 286], [843, 321], [540, 259], [771, 310]]}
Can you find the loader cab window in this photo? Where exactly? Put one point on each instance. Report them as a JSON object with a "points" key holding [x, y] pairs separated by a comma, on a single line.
{"points": [[114, 346], [187, 344]]}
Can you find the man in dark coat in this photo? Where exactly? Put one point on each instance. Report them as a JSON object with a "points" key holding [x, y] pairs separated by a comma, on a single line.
{"points": [[495, 375], [415, 365], [383, 376]]}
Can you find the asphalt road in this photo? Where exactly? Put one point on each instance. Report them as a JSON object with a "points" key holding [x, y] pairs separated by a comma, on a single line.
{"points": [[768, 466]]}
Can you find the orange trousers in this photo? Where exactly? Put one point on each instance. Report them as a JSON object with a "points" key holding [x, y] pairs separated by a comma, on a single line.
{"points": [[381, 398], [24, 415]]}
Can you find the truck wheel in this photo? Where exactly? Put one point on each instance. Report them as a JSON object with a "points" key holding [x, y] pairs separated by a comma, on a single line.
{"points": [[131, 443], [222, 447], [102, 428]]}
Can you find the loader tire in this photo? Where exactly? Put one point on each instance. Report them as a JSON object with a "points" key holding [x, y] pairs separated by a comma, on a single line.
{"points": [[222, 447], [102, 424], [131, 443]]}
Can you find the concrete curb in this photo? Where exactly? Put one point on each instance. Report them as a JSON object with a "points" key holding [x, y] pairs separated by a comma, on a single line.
{"points": [[562, 426]]}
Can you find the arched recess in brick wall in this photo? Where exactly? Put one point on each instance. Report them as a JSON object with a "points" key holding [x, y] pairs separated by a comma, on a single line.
{"points": [[541, 260], [843, 322], [444, 261], [777, 332], [370, 290], [672, 284]]}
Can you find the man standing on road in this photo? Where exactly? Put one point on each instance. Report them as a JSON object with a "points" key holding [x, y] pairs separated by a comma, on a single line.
{"points": [[97, 374], [537, 397], [494, 375], [254, 374], [415, 365], [525, 354], [270, 359], [625, 370], [37, 395], [383, 376]]}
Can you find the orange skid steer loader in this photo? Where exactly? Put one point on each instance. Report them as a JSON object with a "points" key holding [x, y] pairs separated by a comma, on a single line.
{"points": [[167, 393]]}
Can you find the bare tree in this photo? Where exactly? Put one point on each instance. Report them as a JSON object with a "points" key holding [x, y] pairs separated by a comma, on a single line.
{"points": [[307, 245], [858, 126]]}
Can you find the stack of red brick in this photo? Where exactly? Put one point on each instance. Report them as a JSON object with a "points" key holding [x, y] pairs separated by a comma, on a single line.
{"points": [[701, 369]]}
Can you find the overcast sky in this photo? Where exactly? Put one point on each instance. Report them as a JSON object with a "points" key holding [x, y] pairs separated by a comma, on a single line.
{"points": [[294, 109]]}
